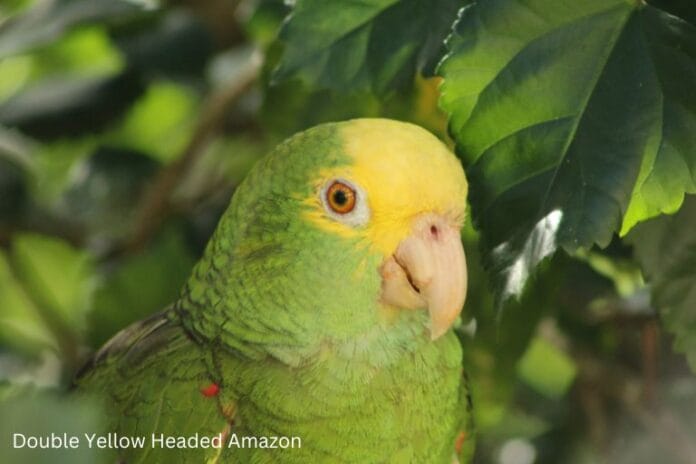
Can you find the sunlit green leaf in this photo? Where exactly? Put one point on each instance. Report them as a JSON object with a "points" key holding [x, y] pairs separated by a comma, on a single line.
{"points": [[21, 324], [84, 51], [161, 122], [546, 368], [59, 277], [14, 73], [558, 107]]}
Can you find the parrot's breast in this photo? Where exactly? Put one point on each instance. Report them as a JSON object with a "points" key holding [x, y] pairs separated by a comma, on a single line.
{"points": [[348, 410]]}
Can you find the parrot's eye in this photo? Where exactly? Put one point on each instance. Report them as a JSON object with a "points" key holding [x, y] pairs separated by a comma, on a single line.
{"points": [[345, 202], [340, 197]]}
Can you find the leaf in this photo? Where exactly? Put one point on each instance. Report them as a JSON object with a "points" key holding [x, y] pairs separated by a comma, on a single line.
{"points": [[351, 45], [685, 9], [59, 277], [172, 45], [666, 250], [290, 107], [61, 107], [48, 20], [104, 192], [140, 286], [21, 324], [669, 163], [161, 122], [293, 106], [569, 115], [501, 339], [40, 414], [84, 51], [14, 73], [12, 7], [54, 165], [263, 24], [13, 191], [547, 369]]}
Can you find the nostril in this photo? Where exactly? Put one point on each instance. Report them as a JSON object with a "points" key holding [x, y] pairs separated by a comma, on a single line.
{"points": [[434, 231]]}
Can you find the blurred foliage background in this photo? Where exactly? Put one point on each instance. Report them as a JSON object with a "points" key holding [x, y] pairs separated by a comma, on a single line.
{"points": [[125, 127]]}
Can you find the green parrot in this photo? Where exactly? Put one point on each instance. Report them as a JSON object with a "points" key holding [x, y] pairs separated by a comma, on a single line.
{"points": [[316, 326]]}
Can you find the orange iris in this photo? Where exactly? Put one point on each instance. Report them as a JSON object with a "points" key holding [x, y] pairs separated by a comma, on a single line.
{"points": [[340, 197]]}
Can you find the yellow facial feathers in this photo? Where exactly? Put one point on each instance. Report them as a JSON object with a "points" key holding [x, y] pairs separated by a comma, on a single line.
{"points": [[404, 171]]}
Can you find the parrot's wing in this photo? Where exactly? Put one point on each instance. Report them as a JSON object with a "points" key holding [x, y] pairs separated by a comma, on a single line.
{"points": [[157, 387]]}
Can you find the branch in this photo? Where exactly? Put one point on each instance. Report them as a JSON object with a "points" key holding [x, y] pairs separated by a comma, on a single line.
{"points": [[604, 381], [155, 205]]}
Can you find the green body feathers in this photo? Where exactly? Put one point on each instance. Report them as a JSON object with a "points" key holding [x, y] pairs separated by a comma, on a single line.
{"points": [[279, 332]]}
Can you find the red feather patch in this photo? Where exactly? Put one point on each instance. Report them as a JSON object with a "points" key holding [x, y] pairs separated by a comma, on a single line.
{"points": [[210, 390], [461, 438]]}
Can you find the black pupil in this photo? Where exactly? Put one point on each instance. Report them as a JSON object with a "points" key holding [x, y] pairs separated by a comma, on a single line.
{"points": [[340, 197]]}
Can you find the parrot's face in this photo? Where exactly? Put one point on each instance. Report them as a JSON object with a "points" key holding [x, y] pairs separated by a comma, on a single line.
{"points": [[347, 232], [401, 198]]}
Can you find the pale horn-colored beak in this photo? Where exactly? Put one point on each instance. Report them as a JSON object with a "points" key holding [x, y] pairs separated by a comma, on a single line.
{"points": [[428, 271]]}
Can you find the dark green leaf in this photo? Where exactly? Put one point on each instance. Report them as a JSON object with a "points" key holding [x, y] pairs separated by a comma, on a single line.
{"points": [[290, 107], [139, 286], [13, 191], [104, 194], [58, 108], [293, 105], [375, 45], [558, 107], [666, 250], [176, 44], [685, 9]]}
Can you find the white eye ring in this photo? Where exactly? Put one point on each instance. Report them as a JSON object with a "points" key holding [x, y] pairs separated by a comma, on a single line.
{"points": [[358, 215]]}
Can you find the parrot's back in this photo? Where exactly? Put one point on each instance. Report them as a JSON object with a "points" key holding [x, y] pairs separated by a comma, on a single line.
{"points": [[155, 384]]}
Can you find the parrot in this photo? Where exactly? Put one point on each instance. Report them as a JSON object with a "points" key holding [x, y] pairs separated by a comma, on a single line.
{"points": [[317, 327]]}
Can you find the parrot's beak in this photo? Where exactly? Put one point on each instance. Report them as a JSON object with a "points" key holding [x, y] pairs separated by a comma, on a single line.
{"points": [[428, 270]]}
